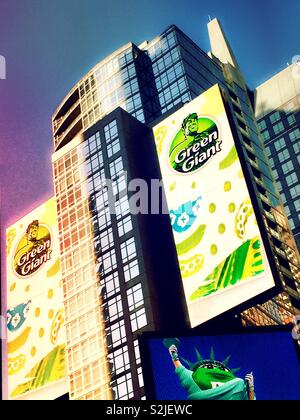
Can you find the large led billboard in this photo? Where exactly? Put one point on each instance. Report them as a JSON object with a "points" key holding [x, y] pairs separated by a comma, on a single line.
{"points": [[256, 363], [221, 255], [35, 354]]}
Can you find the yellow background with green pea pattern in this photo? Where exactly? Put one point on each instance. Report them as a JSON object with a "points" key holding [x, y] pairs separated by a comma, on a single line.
{"points": [[35, 317]]}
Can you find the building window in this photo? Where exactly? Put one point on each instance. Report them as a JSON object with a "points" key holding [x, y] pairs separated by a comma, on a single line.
{"points": [[101, 198], [135, 297], [168, 77], [123, 389], [138, 320], [109, 261], [95, 162], [74, 281], [111, 284], [116, 168], [284, 155], [120, 360], [77, 304], [278, 128], [99, 180], [137, 352], [168, 94], [124, 226], [83, 326], [128, 250], [280, 144], [113, 148], [275, 117], [106, 239], [292, 223], [165, 62], [291, 179], [268, 151], [266, 135], [295, 191], [295, 134], [262, 125], [283, 197], [271, 160], [297, 205], [133, 103], [296, 147], [122, 207], [85, 351], [115, 308], [287, 167], [104, 218], [291, 119], [287, 210], [140, 376], [111, 131], [118, 333], [279, 186], [120, 184], [93, 143], [139, 115], [131, 270]]}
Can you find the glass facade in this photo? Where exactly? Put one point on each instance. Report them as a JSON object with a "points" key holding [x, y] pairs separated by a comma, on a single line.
{"points": [[278, 311], [88, 369], [118, 261], [181, 69], [283, 149], [279, 239], [125, 79]]}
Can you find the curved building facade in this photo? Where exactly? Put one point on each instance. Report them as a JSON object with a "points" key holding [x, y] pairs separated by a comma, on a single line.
{"points": [[124, 79]]}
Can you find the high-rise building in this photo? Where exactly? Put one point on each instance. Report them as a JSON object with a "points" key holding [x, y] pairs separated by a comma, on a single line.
{"points": [[282, 308], [146, 83], [120, 272], [277, 110], [118, 266]]}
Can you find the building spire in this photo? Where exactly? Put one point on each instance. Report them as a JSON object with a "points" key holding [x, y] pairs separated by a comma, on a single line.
{"points": [[220, 46]]}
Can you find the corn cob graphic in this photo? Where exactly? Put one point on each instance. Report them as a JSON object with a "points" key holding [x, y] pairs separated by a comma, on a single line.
{"points": [[242, 216], [191, 266], [49, 369]]}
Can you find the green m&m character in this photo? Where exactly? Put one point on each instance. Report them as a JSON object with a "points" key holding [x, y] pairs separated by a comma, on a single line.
{"points": [[208, 379]]}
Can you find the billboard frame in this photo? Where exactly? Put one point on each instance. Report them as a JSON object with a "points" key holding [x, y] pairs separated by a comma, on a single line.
{"points": [[277, 288]]}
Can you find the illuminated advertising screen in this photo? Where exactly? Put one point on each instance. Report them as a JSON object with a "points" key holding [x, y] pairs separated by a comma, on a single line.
{"points": [[222, 259], [256, 364], [35, 317]]}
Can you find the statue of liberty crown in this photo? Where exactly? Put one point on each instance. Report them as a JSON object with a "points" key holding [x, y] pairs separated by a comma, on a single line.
{"points": [[201, 362]]}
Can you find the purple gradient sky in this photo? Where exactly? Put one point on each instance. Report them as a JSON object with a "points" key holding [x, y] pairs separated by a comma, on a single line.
{"points": [[49, 45]]}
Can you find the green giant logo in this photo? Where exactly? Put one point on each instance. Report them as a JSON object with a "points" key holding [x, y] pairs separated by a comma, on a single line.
{"points": [[195, 144], [33, 250]]}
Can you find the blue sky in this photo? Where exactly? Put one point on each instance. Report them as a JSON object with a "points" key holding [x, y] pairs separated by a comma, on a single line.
{"points": [[49, 45]]}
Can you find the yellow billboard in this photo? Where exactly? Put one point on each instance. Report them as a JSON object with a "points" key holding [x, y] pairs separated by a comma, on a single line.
{"points": [[222, 259], [35, 317]]}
